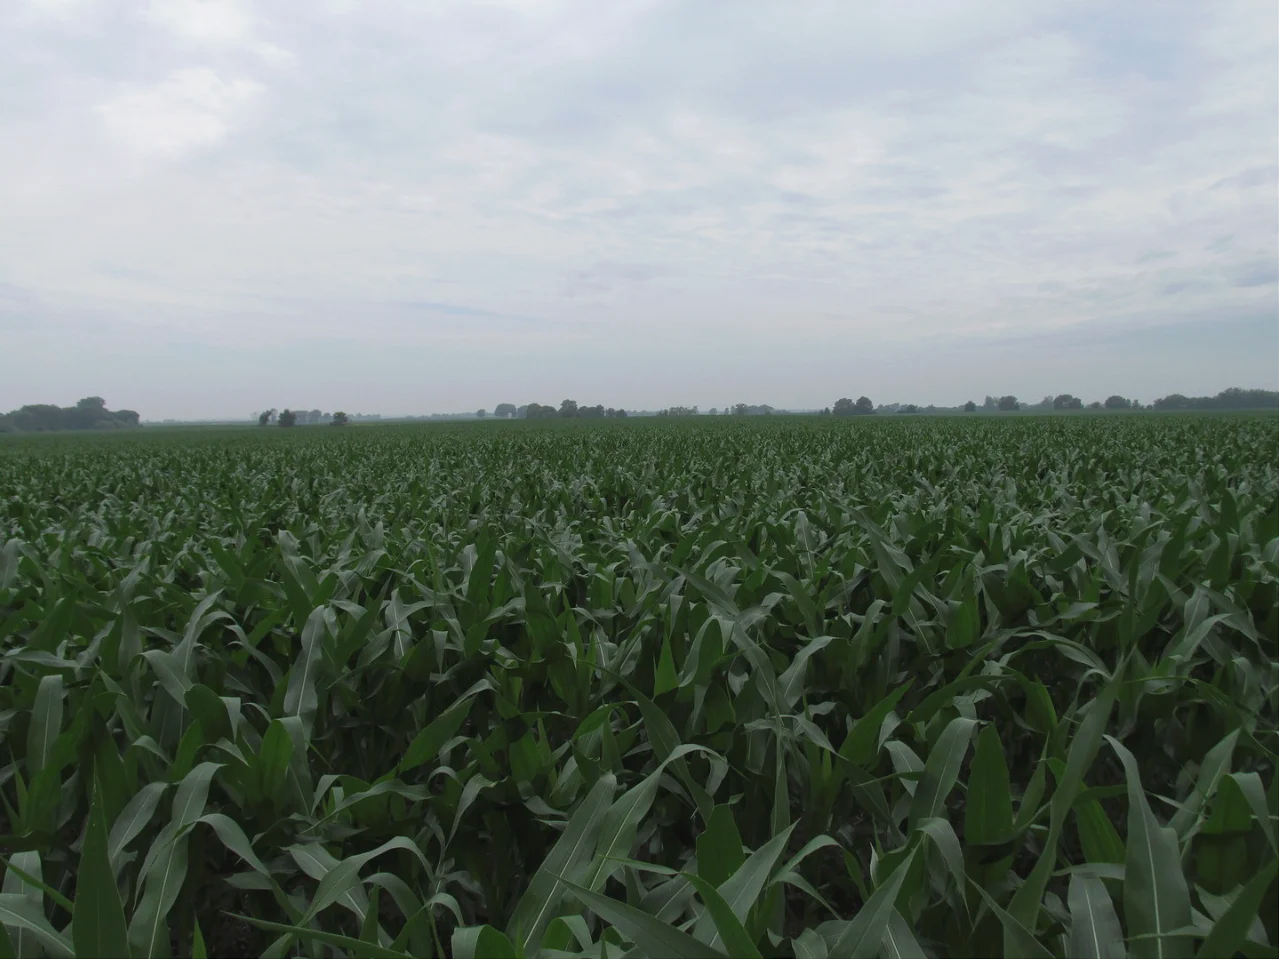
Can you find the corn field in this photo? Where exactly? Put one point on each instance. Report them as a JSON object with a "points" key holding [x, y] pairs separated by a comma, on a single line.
{"points": [[736, 687]]}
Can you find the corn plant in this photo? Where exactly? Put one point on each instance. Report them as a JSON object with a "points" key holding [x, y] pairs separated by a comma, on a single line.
{"points": [[748, 687]]}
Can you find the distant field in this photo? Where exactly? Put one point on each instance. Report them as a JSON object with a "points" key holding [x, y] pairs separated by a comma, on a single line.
{"points": [[790, 686]]}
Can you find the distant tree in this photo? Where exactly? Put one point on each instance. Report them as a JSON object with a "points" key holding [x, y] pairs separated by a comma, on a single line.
{"points": [[908, 408], [314, 416], [1065, 401], [844, 407], [522, 411], [1008, 403], [970, 406], [538, 411], [1174, 401], [288, 418], [93, 404], [504, 410], [1116, 402], [480, 414], [1096, 405], [568, 408], [266, 416], [1233, 398], [340, 419], [620, 413]]}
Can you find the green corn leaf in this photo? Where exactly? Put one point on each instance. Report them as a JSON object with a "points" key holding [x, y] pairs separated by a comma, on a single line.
{"points": [[198, 949], [98, 922], [719, 847], [46, 723], [432, 738], [1095, 928], [132, 820], [664, 677], [1232, 928], [1156, 900], [742, 889], [941, 770], [345, 875], [300, 697], [537, 907], [1098, 838], [354, 947], [165, 867], [479, 942], [234, 839], [17, 911], [1250, 787], [1216, 764], [988, 811], [1019, 941], [24, 877], [651, 936], [728, 927], [369, 925], [273, 760], [863, 935], [899, 941], [944, 838], [1026, 903]]}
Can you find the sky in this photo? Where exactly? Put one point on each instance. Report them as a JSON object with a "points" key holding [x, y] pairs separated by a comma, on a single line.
{"points": [[211, 207]]}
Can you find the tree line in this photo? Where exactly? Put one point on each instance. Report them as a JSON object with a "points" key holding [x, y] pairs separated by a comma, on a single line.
{"points": [[568, 410], [291, 418], [1233, 398], [90, 413]]}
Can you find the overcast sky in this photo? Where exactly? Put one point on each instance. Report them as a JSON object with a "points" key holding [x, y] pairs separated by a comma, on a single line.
{"points": [[208, 207]]}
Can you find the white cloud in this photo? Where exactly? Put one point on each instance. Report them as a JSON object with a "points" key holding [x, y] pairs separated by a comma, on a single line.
{"points": [[190, 108], [640, 172], [203, 21], [55, 8]]}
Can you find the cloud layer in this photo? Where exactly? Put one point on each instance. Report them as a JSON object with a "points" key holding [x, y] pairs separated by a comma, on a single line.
{"points": [[432, 206]]}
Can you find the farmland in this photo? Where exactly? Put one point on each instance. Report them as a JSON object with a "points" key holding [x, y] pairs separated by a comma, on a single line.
{"points": [[751, 686]]}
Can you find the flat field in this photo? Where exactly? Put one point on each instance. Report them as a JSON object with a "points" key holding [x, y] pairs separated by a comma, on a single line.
{"points": [[745, 686]]}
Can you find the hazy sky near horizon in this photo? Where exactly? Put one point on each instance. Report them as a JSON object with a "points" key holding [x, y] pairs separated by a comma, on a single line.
{"points": [[208, 207]]}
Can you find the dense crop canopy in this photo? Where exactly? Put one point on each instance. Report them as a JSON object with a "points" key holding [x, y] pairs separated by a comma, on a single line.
{"points": [[810, 687]]}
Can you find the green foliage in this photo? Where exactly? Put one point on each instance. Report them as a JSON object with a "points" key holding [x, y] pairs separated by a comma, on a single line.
{"points": [[731, 686], [90, 413], [1233, 398], [844, 407]]}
